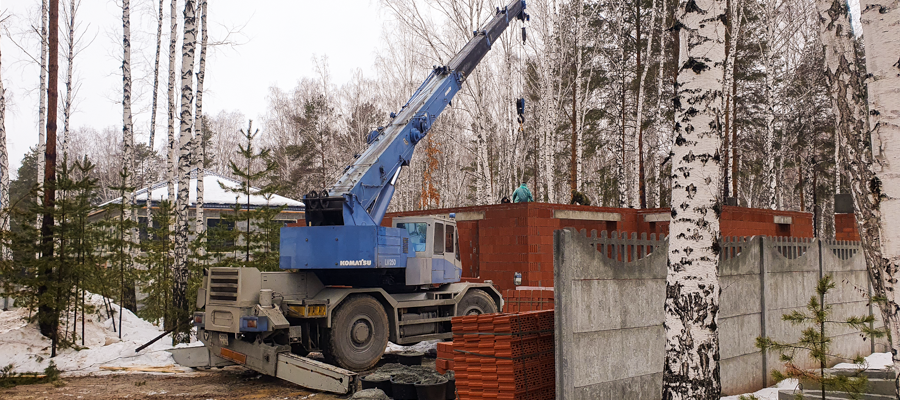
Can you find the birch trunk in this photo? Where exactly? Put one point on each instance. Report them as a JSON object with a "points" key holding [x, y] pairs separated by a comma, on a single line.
{"points": [[42, 108], [70, 58], [159, 24], [769, 59], [691, 368], [662, 126], [5, 252], [482, 179], [734, 17], [622, 161], [127, 131], [639, 115], [881, 24], [181, 273], [200, 150], [170, 154]]}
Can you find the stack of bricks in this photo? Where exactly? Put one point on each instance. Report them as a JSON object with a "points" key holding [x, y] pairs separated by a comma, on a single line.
{"points": [[444, 360], [505, 356], [530, 299]]}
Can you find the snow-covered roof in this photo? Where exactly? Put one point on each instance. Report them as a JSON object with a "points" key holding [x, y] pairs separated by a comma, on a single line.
{"points": [[213, 194]]}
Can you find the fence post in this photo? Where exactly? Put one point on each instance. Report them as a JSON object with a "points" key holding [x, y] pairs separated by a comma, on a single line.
{"points": [[762, 307]]}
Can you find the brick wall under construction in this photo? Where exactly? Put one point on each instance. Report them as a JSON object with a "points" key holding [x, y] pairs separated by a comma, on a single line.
{"points": [[498, 241]]}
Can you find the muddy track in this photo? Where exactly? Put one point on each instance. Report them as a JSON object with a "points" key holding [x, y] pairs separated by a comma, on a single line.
{"points": [[228, 383]]}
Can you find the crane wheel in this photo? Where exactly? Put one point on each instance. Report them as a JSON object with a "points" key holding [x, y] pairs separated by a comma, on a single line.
{"points": [[358, 335], [476, 302]]}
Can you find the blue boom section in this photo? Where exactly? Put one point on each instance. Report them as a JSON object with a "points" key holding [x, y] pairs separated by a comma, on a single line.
{"points": [[343, 222], [367, 185], [344, 247]]}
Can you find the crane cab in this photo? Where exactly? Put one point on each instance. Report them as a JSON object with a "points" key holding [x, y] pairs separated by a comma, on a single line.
{"points": [[434, 250]]}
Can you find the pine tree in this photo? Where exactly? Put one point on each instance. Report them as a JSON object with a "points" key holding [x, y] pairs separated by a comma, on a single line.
{"points": [[815, 341], [255, 246], [156, 257]]}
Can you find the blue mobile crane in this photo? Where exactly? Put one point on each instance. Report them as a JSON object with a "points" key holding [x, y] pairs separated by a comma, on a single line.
{"points": [[348, 284]]}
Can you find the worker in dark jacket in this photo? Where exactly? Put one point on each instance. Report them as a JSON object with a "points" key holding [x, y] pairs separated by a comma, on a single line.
{"points": [[522, 194]]}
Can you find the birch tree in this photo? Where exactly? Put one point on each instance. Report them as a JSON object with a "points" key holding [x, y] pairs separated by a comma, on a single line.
{"points": [[691, 369], [734, 28], [881, 193], [127, 125], [170, 148], [867, 189], [639, 114], [5, 252], [42, 107], [155, 97], [181, 273], [70, 66], [200, 148], [769, 57]]}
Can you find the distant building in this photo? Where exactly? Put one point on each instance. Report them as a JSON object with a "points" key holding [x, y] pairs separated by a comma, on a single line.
{"points": [[217, 201]]}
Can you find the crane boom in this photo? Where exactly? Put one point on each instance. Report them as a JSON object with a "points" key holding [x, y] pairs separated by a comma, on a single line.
{"points": [[363, 193]]}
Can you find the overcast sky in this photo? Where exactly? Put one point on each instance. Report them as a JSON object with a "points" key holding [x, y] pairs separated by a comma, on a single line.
{"points": [[275, 43], [275, 46]]}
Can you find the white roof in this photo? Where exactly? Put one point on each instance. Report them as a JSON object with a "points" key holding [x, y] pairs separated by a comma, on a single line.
{"points": [[213, 193]]}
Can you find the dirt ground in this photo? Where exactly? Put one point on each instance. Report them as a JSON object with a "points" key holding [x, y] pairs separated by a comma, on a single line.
{"points": [[227, 383], [230, 383]]}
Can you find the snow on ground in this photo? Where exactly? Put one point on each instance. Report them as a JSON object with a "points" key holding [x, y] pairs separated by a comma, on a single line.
{"points": [[22, 345], [874, 361], [423, 347], [769, 393]]}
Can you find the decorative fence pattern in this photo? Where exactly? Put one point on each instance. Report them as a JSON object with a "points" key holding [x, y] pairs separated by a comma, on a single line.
{"points": [[609, 296]]}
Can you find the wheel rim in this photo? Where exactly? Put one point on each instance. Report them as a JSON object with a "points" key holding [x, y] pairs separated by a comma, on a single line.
{"points": [[474, 310], [361, 332]]}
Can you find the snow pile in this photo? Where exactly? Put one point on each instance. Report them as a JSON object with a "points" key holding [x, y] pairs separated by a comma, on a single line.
{"points": [[422, 347], [22, 344], [769, 393], [873, 361]]}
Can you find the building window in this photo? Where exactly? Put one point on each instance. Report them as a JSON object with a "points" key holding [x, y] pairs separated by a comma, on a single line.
{"points": [[220, 234]]}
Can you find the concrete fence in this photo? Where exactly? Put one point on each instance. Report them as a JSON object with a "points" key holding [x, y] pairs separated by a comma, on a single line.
{"points": [[610, 292]]}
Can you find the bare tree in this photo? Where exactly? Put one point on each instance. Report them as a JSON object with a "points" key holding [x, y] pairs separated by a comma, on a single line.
{"points": [[881, 193], [42, 108], [171, 156], [200, 147], [70, 66], [691, 369], [639, 118], [181, 273], [735, 10], [155, 96], [127, 125], [5, 252]]}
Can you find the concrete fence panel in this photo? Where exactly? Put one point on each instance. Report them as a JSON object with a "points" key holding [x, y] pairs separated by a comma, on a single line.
{"points": [[612, 344], [610, 292]]}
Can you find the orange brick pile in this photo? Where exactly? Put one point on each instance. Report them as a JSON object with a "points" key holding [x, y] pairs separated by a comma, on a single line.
{"points": [[520, 300], [504, 356], [444, 360]]}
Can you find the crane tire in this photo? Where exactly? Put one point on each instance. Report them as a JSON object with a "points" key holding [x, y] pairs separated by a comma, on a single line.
{"points": [[358, 334], [476, 302]]}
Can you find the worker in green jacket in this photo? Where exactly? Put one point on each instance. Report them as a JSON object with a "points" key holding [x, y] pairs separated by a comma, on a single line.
{"points": [[522, 194]]}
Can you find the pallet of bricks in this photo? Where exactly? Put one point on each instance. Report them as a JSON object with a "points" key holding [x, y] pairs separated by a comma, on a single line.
{"points": [[503, 356]]}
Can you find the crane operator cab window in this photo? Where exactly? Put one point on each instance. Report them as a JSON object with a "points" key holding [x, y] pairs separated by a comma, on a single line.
{"points": [[418, 232], [451, 244], [438, 238]]}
